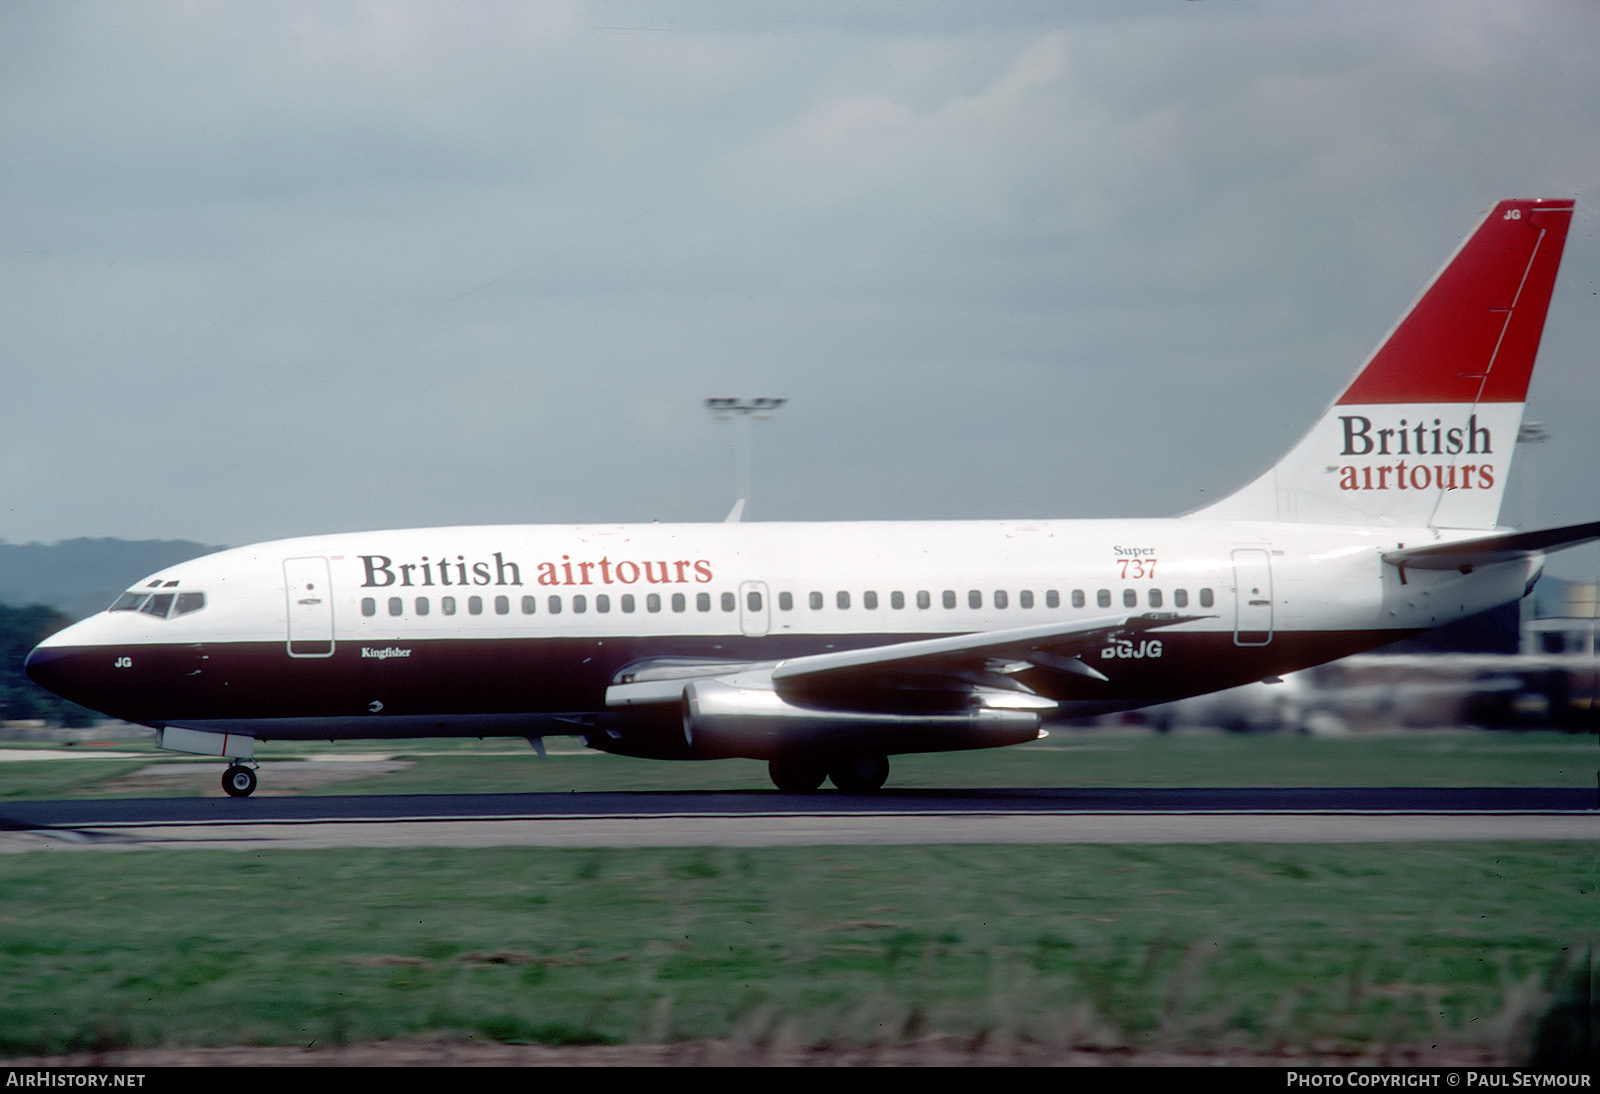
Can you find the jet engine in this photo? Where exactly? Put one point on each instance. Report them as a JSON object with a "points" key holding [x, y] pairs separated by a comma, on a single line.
{"points": [[726, 717]]}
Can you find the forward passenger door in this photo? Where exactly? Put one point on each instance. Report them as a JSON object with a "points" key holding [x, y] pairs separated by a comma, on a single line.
{"points": [[310, 607]]}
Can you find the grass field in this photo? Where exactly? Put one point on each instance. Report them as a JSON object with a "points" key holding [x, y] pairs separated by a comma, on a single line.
{"points": [[1261, 948], [1249, 948]]}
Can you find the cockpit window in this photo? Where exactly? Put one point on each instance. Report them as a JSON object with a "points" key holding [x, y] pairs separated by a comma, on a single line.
{"points": [[161, 605]]}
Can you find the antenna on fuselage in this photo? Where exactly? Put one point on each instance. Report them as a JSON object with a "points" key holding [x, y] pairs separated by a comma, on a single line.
{"points": [[740, 412]]}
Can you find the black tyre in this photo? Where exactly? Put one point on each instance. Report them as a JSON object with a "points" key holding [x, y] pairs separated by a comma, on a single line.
{"points": [[239, 781], [863, 774], [796, 776]]}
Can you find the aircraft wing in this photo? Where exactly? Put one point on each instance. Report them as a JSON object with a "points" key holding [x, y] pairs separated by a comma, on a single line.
{"points": [[976, 651], [1468, 554], [987, 660]]}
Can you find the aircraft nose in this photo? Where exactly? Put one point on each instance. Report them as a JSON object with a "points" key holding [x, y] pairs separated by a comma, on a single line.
{"points": [[50, 667], [62, 665]]}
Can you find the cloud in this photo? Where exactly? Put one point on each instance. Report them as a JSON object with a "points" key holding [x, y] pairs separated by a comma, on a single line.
{"points": [[298, 266]]}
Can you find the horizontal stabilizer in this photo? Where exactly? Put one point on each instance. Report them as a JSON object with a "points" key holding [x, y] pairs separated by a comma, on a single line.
{"points": [[1487, 550]]}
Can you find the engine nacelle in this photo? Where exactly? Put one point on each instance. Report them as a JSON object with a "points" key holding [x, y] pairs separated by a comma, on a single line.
{"points": [[722, 719]]}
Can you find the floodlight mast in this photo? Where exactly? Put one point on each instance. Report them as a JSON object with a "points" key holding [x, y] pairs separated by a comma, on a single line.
{"points": [[740, 412]]}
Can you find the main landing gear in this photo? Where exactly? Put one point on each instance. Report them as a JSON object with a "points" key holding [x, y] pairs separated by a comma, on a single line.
{"points": [[863, 773], [239, 781]]}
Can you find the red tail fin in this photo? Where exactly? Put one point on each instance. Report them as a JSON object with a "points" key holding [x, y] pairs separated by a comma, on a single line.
{"points": [[1473, 335], [1424, 434]]}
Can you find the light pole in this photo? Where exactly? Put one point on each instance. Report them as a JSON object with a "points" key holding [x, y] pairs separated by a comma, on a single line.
{"points": [[740, 412]]}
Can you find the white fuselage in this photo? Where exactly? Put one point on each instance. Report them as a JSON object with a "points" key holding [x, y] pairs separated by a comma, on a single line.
{"points": [[501, 628]]}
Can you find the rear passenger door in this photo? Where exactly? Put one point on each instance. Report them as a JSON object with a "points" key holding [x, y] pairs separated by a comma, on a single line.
{"points": [[1252, 592]]}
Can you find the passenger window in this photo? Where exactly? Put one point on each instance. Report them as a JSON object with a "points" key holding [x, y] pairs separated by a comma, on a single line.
{"points": [[1078, 599], [702, 602], [580, 603], [869, 600], [369, 606], [1000, 598], [949, 598], [396, 605], [842, 599], [475, 605], [752, 600], [1130, 598], [447, 605], [816, 602], [1155, 598], [652, 602], [1052, 599], [602, 603], [1180, 598], [502, 605], [554, 604], [924, 599], [679, 602], [422, 605], [1206, 599], [729, 602], [529, 604], [1103, 598], [974, 598], [1025, 598], [627, 603], [786, 602], [897, 601]]}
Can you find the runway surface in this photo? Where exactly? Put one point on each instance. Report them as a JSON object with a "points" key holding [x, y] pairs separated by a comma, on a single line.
{"points": [[752, 819]]}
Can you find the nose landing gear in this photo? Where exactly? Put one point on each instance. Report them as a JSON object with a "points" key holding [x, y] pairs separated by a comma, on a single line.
{"points": [[239, 781]]}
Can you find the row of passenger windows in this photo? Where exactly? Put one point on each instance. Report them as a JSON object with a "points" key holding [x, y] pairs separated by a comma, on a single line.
{"points": [[728, 602]]}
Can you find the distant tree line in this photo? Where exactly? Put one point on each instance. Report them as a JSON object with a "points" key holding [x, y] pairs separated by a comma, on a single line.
{"points": [[83, 576], [21, 629]]}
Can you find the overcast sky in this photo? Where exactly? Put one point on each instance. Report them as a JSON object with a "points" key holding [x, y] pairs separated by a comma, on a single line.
{"points": [[282, 268]]}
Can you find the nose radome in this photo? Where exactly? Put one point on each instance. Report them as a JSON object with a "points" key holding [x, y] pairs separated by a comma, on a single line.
{"points": [[56, 666], [40, 666], [46, 665]]}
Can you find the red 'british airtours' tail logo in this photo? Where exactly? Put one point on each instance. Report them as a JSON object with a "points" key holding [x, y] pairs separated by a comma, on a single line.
{"points": [[1425, 432]]}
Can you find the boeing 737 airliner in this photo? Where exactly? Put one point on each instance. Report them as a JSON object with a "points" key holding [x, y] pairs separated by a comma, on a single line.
{"points": [[826, 648]]}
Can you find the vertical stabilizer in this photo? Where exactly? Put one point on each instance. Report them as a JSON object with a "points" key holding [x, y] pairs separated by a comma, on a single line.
{"points": [[1425, 433]]}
